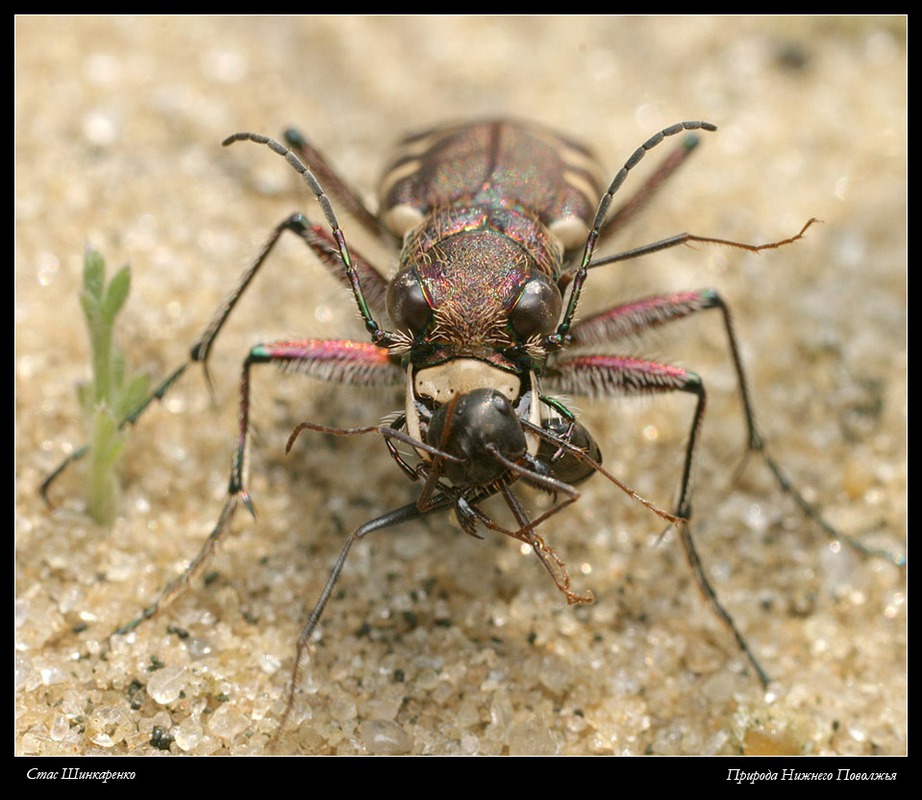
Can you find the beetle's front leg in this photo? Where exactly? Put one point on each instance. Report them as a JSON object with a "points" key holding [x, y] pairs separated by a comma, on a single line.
{"points": [[330, 360], [637, 317], [616, 375], [607, 376]]}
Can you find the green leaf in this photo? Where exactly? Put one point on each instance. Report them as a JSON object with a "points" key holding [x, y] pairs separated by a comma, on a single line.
{"points": [[114, 392], [94, 274], [132, 394], [116, 294]]}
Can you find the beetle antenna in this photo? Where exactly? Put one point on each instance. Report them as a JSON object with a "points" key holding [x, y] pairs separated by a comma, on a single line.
{"points": [[379, 336], [557, 340]]}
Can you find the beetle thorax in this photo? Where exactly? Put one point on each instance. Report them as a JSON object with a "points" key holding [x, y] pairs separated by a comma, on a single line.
{"points": [[472, 265]]}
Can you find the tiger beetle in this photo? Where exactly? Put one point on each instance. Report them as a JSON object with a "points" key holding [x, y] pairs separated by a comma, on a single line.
{"points": [[499, 223]]}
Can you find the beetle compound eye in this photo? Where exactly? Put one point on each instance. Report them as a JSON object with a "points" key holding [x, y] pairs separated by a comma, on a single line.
{"points": [[407, 305], [537, 309]]}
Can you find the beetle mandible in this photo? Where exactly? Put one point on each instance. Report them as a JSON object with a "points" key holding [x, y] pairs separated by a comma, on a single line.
{"points": [[499, 222]]}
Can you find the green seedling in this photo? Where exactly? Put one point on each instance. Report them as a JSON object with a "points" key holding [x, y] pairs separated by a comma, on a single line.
{"points": [[112, 393]]}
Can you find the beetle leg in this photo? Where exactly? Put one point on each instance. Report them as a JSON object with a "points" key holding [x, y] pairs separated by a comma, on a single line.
{"points": [[181, 582], [379, 335], [374, 284], [336, 361], [612, 375], [557, 340], [324, 247], [80, 452], [652, 312], [326, 250], [330, 360]]}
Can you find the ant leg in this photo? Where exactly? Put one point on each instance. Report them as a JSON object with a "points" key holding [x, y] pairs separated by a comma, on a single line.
{"points": [[686, 238], [552, 562], [536, 474], [388, 433]]}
